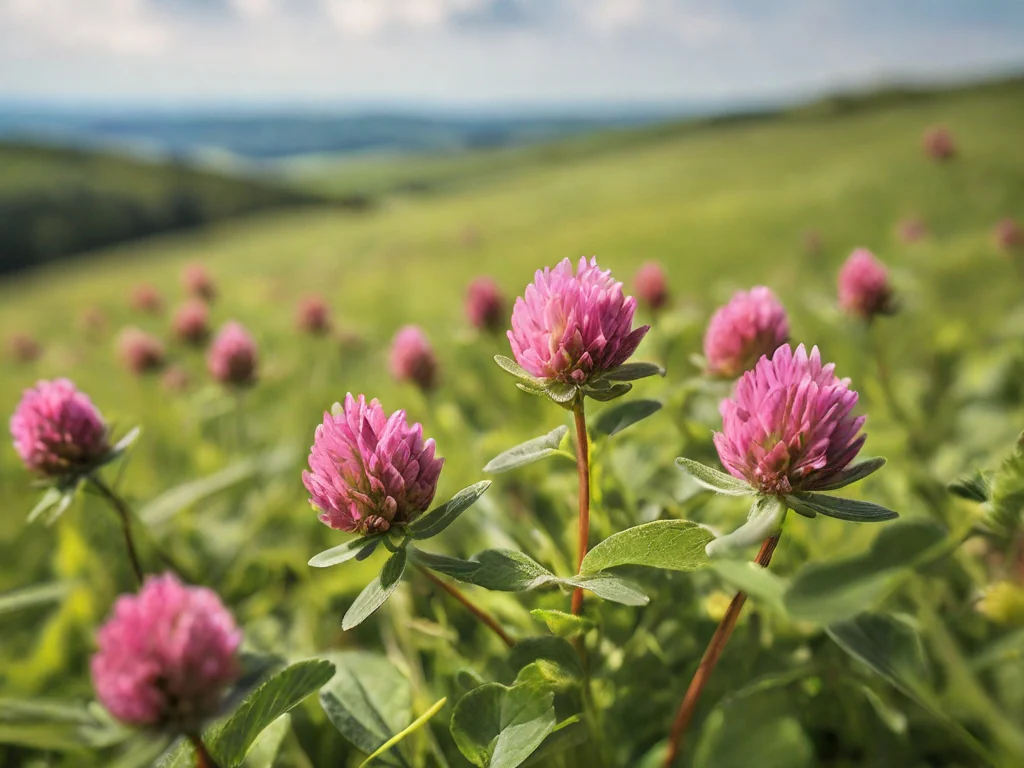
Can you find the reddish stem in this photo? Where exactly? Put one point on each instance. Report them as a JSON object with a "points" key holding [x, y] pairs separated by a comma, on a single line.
{"points": [[710, 659], [489, 621], [125, 515], [583, 527], [203, 758]]}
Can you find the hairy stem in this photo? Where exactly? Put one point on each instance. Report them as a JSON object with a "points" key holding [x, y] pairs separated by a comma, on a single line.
{"points": [[583, 526], [485, 618], [710, 659], [121, 508], [203, 758]]}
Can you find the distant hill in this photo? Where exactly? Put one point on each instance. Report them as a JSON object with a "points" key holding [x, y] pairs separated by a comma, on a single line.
{"points": [[58, 202], [259, 135]]}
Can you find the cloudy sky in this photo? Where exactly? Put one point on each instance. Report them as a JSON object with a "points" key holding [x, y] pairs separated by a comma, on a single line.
{"points": [[491, 52]]}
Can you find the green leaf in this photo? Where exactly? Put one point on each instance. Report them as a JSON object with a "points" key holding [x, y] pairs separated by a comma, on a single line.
{"points": [[369, 701], [676, 545], [728, 738], [611, 421], [554, 652], [765, 519], [854, 474], [568, 733], [121, 446], [561, 392], [973, 487], [62, 504], [438, 519], [838, 589], [633, 371], [889, 647], [377, 591], [608, 393], [449, 566], [531, 388], [56, 725], [612, 588], [418, 723], [839, 508], [274, 698], [142, 752], [51, 498], [511, 366], [1005, 512], [527, 453], [265, 749], [508, 570], [758, 583], [257, 668], [713, 480], [562, 624], [495, 726], [32, 597], [341, 553]]}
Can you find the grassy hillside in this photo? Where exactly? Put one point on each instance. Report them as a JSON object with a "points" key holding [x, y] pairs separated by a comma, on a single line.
{"points": [[55, 202], [723, 207], [440, 171]]}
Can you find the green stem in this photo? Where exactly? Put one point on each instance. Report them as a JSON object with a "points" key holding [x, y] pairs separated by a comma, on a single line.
{"points": [[240, 420], [583, 522], [124, 513], [885, 382]]}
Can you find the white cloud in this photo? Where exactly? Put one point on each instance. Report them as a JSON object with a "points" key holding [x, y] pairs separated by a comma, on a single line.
{"points": [[366, 18], [256, 10], [110, 26], [481, 51]]}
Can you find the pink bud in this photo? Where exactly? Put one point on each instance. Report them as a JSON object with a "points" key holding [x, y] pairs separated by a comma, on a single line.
{"points": [[166, 656], [912, 230], [176, 379], [140, 352], [57, 430], [789, 424], [572, 327], [864, 289], [651, 285], [752, 324], [146, 298], [413, 359], [938, 143], [1008, 235], [313, 316], [198, 282], [233, 358], [192, 322], [485, 305], [24, 348], [368, 470]]}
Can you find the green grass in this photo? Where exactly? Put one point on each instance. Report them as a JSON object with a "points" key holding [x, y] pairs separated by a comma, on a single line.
{"points": [[722, 206], [57, 202]]}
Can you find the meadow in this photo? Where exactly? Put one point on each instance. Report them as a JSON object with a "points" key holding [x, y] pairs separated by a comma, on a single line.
{"points": [[889, 645]]}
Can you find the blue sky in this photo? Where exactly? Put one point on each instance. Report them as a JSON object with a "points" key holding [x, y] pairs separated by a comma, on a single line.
{"points": [[491, 52]]}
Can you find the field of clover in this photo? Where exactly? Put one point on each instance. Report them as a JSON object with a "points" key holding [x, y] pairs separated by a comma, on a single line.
{"points": [[649, 581]]}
